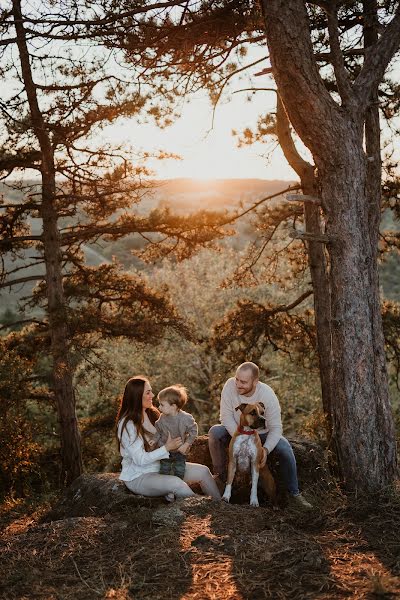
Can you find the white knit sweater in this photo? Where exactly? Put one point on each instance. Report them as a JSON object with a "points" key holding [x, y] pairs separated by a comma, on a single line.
{"points": [[135, 460]]}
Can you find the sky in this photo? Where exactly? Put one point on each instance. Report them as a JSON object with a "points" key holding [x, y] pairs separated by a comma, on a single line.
{"points": [[207, 147], [208, 150]]}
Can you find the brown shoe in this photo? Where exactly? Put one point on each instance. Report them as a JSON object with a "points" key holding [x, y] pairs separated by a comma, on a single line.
{"points": [[300, 502]]}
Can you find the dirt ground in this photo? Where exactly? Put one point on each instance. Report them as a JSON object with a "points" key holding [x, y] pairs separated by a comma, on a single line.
{"points": [[199, 549]]}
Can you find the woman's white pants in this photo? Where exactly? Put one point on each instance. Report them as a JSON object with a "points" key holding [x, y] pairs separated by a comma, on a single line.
{"points": [[154, 484]]}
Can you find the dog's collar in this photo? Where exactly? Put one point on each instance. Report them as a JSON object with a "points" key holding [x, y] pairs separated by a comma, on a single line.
{"points": [[245, 432]]}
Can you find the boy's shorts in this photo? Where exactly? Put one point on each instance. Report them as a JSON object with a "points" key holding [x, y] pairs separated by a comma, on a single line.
{"points": [[174, 465]]}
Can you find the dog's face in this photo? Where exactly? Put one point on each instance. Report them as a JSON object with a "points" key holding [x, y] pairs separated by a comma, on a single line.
{"points": [[252, 415]]}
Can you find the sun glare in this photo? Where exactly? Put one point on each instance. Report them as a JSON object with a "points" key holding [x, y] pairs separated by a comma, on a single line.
{"points": [[207, 153]]}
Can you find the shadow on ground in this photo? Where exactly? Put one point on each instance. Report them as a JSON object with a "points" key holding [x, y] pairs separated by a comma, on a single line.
{"points": [[112, 544]]}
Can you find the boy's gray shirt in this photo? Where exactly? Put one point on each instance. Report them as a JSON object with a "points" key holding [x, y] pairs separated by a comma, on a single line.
{"points": [[180, 425]]}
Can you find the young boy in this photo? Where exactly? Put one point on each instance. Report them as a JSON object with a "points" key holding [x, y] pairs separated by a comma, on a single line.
{"points": [[178, 423]]}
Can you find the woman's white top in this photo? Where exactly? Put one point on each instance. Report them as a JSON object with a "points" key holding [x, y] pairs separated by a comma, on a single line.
{"points": [[135, 460]]}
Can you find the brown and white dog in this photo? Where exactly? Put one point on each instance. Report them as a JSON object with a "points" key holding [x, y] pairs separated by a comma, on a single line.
{"points": [[245, 452]]}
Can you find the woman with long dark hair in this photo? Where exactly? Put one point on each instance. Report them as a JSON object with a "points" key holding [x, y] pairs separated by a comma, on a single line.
{"points": [[141, 464]]}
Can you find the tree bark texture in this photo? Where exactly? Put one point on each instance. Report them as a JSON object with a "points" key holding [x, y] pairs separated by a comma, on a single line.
{"points": [[62, 373], [363, 430], [374, 187], [317, 258]]}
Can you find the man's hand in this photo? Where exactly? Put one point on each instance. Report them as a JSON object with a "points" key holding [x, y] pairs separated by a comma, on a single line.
{"points": [[264, 458], [184, 448]]}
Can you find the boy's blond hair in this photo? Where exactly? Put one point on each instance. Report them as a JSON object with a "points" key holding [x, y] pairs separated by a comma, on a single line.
{"points": [[174, 394]]}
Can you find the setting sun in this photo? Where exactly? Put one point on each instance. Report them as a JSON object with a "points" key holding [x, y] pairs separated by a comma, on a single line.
{"points": [[208, 152]]}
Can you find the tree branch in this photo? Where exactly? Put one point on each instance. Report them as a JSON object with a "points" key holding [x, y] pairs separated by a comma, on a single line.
{"points": [[295, 68], [76, 86], [106, 20], [376, 61], [298, 164], [342, 77], [17, 240], [287, 307], [291, 188], [255, 90], [309, 236], [12, 282], [23, 160], [327, 56], [23, 322], [304, 198]]}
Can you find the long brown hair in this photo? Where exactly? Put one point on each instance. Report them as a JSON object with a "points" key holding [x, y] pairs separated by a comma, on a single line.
{"points": [[131, 408]]}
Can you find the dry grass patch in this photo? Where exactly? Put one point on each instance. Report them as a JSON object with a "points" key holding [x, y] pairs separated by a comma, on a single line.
{"points": [[201, 549]]}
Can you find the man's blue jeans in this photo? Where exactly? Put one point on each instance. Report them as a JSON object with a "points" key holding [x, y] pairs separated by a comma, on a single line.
{"points": [[218, 441]]}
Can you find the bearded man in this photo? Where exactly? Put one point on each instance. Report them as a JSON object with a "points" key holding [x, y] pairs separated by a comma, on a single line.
{"points": [[246, 388]]}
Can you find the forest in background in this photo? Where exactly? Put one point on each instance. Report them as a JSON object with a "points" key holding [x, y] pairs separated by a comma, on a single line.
{"points": [[301, 282], [203, 291]]}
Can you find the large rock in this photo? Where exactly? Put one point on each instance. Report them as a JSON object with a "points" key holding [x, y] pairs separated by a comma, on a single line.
{"points": [[98, 494], [103, 493], [311, 462]]}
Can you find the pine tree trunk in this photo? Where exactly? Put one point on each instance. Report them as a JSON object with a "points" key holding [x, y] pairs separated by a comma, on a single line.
{"points": [[361, 414], [317, 261], [317, 258], [362, 421], [62, 373]]}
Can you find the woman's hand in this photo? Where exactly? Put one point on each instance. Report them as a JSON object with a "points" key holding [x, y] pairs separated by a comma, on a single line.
{"points": [[173, 443]]}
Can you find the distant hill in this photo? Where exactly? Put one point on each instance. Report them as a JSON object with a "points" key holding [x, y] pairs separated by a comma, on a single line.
{"points": [[194, 194], [183, 196], [220, 186], [189, 195]]}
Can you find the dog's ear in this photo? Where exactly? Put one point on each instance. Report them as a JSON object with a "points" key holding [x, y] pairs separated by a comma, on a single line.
{"points": [[241, 407], [262, 408]]}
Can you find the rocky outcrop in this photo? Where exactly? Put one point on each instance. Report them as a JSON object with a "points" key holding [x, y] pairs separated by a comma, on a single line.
{"points": [[103, 493], [311, 462], [98, 494]]}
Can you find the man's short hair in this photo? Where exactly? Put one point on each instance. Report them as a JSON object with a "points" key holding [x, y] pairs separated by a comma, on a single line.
{"points": [[250, 366]]}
